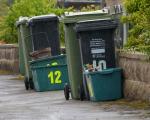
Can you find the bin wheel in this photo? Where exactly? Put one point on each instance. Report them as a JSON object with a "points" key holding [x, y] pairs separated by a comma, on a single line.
{"points": [[66, 91], [81, 92], [31, 83], [26, 83]]}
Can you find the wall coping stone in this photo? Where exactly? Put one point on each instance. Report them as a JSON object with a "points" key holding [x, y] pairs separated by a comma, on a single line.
{"points": [[9, 46], [134, 55]]}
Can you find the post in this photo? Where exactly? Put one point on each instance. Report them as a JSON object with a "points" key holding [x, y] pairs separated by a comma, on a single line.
{"points": [[125, 29], [10, 2], [103, 4]]}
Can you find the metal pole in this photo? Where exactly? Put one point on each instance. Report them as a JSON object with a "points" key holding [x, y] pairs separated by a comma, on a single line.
{"points": [[125, 29]]}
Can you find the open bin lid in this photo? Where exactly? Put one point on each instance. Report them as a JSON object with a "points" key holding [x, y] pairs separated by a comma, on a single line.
{"points": [[96, 41], [41, 18], [89, 25]]}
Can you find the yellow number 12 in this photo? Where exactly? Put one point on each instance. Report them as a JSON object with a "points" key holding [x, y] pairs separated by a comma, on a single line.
{"points": [[55, 77]]}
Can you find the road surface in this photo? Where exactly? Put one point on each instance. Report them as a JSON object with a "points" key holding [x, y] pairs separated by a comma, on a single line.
{"points": [[18, 104]]}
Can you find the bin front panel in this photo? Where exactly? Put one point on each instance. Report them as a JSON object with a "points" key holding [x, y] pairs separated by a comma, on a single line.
{"points": [[50, 78], [97, 45], [45, 34]]}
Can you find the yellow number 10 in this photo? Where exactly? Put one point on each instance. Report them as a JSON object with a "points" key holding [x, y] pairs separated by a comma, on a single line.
{"points": [[55, 77]]}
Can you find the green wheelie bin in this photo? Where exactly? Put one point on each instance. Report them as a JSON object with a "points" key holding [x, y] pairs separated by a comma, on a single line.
{"points": [[21, 58], [73, 51], [25, 47], [97, 48]]}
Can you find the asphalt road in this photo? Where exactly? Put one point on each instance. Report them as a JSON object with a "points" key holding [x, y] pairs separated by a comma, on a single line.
{"points": [[18, 104]]}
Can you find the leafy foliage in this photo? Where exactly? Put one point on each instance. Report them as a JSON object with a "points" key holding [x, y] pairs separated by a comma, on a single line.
{"points": [[3, 7], [26, 8], [29, 8], [139, 18]]}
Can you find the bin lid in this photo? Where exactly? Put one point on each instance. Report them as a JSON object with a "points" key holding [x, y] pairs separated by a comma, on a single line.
{"points": [[73, 17], [106, 71], [22, 20], [40, 18], [45, 66], [89, 25], [49, 58]]}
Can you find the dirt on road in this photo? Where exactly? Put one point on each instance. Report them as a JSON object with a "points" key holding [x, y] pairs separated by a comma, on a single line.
{"points": [[18, 104]]}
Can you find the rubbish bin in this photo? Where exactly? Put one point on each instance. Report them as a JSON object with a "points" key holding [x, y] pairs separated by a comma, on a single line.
{"points": [[52, 77], [21, 58], [72, 47], [105, 85], [44, 33], [96, 40], [25, 46]]}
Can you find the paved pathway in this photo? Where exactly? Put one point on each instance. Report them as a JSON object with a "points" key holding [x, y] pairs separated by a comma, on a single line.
{"points": [[18, 104]]}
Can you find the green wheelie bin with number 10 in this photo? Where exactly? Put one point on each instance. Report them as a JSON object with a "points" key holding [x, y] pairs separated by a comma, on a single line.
{"points": [[72, 47]]}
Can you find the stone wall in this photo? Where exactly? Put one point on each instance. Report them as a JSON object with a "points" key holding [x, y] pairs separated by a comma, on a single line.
{"points": [[136, 69], [9, 58]]}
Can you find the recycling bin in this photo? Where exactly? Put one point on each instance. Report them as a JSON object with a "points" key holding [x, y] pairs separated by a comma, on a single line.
{"points": [[44, 33], [72, 47], [105, 85], [49, 78], [25, 47], [21, 58], [96, 40]]}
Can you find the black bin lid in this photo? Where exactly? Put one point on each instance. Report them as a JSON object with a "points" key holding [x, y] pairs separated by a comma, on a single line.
{"points": [[90, 25], [41, 18]]}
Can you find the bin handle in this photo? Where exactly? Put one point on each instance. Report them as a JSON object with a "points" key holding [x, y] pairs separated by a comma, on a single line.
{"points": [[53, 64]]}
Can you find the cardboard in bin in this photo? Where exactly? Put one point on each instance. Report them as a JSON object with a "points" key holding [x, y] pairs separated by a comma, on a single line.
{"points": [[105, 85], [49, 78], [46, 52]]}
